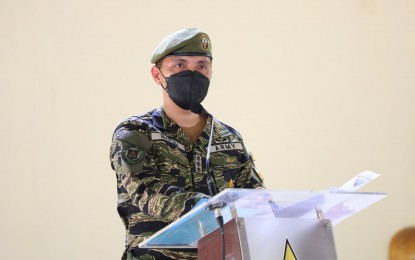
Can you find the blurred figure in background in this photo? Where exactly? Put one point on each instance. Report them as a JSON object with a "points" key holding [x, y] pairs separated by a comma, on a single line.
{"points": [[402, 245]]}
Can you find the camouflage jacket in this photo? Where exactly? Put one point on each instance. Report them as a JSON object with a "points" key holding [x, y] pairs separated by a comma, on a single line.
{"points": [[161, 174]]}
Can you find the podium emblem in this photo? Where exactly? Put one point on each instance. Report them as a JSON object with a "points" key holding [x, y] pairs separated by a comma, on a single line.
{"points": [[289, 252]]}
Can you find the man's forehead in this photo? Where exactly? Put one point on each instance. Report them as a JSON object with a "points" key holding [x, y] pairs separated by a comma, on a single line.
{"points": [[198, 59]]}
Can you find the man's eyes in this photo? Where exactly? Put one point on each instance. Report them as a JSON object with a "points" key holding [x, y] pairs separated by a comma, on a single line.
{"points": [[182, 66]]}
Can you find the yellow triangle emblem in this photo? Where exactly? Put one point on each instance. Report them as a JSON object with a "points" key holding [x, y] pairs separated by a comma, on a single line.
{"points": [[289, 253]]}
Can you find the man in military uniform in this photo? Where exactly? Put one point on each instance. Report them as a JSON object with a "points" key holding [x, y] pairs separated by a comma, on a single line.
{"points": [[160, 157]]}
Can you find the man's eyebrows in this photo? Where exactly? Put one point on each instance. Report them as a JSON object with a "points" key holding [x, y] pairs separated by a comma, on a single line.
{"points": [[204, 62], [187, 61], [180, 59]]}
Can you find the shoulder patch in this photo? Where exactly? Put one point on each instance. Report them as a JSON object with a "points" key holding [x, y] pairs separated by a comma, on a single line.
{"points": [[134, 138], [132, 154]]}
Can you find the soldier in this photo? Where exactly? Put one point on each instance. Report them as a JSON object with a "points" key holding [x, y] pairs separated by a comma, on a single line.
{"points": [[160, 157]]}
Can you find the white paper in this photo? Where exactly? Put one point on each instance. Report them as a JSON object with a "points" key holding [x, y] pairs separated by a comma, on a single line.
{"points": [[359, 181]]}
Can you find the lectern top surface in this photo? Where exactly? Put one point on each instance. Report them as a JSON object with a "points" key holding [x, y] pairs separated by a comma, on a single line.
{"points": [[261, 203]]}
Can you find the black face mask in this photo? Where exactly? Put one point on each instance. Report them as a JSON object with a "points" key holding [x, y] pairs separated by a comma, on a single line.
{"points": [[187, 89]]}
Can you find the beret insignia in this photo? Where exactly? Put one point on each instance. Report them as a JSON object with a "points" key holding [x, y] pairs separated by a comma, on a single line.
{"points": [[205, 42]]}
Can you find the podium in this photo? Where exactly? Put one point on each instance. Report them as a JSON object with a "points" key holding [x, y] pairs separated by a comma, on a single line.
{"points": [[265, 224]]}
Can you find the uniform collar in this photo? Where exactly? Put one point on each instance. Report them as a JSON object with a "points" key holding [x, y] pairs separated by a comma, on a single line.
{"points": [[162, 121], [166, 123]]}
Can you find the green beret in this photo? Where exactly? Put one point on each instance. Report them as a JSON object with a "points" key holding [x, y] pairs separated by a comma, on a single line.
{"points": [[186, 42]]}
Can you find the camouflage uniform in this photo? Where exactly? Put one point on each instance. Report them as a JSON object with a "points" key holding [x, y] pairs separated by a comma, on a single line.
{"points": [[161, 174]]}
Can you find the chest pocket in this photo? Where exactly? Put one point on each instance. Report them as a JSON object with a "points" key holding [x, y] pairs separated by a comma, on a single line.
{"points": [[172, 164], [225, 167]]}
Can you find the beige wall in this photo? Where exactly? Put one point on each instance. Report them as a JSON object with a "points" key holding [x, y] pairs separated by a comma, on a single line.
{"points": [[320, 90]]}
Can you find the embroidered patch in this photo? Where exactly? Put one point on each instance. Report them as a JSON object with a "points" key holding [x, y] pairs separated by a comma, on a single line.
{"points": [[231, 159], [133, 154], [226, 147], [160, 136]]}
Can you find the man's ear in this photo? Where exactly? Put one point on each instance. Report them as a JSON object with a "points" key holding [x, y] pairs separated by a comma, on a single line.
{"points": [[155, 72]]}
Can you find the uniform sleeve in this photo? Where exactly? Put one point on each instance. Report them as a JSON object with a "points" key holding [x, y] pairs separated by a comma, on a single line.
{"points": [[132, 158], [249, 177]]}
